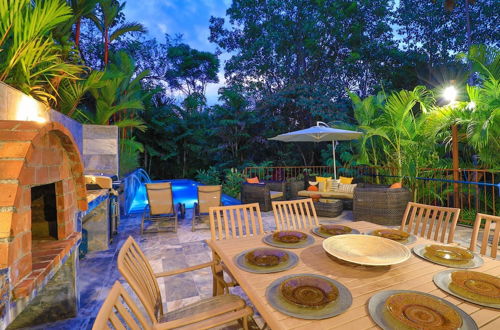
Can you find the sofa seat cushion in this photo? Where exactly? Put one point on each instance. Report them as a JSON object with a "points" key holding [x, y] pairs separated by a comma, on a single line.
{"points": [[326, 194], [276, 194]]}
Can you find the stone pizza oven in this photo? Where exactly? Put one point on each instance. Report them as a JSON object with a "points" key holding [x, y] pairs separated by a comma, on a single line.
{"points": [[42, 188]]}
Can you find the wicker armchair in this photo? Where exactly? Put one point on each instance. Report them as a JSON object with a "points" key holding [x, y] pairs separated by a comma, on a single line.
{"points": [[380, 204], [262, 193]]}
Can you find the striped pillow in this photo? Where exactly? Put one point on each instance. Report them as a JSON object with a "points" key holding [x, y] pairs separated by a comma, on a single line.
{"points": [[348, 188], [333, 185]]}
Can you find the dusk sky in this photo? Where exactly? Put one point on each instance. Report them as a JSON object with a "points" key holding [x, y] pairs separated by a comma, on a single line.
{"points": [[186, 17]]}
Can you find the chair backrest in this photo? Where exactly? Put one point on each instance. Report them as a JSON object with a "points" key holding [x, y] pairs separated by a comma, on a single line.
{"points": [[120, 311], [209, 196], [486, 233], [160, 198], [137, 271], [295, 215], [235, 221], [431, 222]]}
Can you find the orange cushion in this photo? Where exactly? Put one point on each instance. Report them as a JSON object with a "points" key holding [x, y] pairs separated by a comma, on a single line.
{"points": [[345, 180], [323, 178], [396, 185], [312, 188], [253, 180]]}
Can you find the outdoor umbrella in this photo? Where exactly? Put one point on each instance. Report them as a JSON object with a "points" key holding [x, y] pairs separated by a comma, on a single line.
{"points": [[319, 133]]}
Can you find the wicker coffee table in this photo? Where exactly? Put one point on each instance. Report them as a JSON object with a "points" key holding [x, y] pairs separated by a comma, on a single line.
{"points": [[329, 207]]}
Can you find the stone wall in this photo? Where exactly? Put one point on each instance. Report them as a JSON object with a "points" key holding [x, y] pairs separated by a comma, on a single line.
{"points": [[98, 144], [100, 149]]}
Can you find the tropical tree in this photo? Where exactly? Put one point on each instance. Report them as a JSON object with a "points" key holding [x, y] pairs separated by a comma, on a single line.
{"points": [[81, 9], [108, 23], [190, 69], [30, 60], [478, 114], [118, 92]]}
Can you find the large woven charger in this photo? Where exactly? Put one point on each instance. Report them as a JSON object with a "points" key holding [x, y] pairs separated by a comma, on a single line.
{"points": [[443, 281], [366, 250], [378, 310]]}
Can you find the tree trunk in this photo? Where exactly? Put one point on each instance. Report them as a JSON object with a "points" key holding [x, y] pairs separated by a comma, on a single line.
{"points": [[77, 32], [106, 46]]}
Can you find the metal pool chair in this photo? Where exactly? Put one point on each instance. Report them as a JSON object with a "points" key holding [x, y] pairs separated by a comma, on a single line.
{"points": [[208, 196], [203, 314], [431, 222], [295, 215], [488, 229], [160, 208]]}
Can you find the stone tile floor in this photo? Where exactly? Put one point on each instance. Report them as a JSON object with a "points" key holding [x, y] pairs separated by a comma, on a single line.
{"points": [[165, 251]]}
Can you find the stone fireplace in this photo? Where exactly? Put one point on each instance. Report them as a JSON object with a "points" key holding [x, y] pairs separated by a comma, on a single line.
{"points": [[42, 189]]}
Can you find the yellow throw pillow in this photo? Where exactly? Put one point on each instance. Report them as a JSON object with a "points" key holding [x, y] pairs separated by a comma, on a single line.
{"points": [[345, 180], [323, 179]]}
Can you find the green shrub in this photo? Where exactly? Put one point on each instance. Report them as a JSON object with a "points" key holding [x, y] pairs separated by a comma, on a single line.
{"points": [[211, 176]]}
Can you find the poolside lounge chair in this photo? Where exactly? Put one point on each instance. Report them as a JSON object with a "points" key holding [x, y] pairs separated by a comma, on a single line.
{"points": [[208, 196], [203, 314], [160, 209]]}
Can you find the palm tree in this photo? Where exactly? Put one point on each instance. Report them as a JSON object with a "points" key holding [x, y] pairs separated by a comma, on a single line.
{"points": [[119, 92], [478, 116], [110, 11], [30, 59], [81, 9]]}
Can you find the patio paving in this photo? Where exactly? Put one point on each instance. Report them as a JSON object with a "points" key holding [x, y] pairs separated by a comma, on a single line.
{"points": [[165, 251]]}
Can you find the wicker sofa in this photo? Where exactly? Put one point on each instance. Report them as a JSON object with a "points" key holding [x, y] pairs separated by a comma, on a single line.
{"points": [[263, 193], [380, 204]]}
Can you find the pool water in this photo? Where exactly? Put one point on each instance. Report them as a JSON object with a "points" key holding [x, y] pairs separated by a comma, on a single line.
{"points": [[185, 191]]}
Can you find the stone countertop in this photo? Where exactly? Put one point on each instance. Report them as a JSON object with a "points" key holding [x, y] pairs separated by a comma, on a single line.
{"points": [[94, 194]]}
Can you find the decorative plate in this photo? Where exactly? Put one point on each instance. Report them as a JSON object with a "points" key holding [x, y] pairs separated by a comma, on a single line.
{"points": [[486, 287], [395, 235], [266, 260], [308, 296], [449, 256], [366, 250], [288, 239], [396, 309], [326, 231]]}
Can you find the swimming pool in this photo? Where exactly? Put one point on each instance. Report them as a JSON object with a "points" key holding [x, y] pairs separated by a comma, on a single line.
{"points": [[185, 191]]}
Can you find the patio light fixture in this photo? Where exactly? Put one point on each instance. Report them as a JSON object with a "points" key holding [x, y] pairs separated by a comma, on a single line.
{"points": [[450, 94]]}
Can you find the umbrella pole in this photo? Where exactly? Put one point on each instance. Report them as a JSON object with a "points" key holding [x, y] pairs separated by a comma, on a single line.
{"points": [[334, 162]]}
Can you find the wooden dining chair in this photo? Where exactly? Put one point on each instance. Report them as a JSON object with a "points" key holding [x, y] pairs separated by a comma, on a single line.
{"points": [[206, 313], [431, 222], [232, 222], [489, 220], [120, 311], [235, 221], [295, 215], [160, 208]]}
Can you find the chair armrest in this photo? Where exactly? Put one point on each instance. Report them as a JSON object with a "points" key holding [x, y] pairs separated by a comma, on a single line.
{"points": [[184, 270], [276, 186]]}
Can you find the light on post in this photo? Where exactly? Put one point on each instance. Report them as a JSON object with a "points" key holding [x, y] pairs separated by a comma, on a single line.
{"points": [[450, 94]]}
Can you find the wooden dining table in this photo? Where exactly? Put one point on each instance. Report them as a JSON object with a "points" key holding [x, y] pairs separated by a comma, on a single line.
{"points": [[362, 281]]}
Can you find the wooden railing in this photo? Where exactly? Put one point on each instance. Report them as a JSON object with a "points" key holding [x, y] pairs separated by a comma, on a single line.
{"points": [[478, 189]]}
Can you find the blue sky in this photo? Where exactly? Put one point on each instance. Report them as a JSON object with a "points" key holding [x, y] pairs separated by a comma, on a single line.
{"points": [[186, 17]]}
